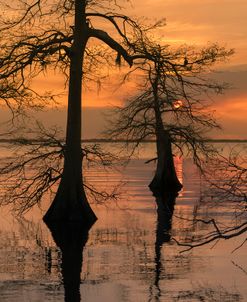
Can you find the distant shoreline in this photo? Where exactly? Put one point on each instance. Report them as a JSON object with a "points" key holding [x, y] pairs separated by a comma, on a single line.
{"points": [[25, 141], [153, 141]]}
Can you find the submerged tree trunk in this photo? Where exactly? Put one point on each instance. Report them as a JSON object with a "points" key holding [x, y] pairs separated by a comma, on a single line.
{"points": [[70, 203], [165, 178]]}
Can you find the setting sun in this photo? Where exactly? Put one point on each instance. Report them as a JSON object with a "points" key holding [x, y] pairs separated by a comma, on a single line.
{"points": [[177, 104]]}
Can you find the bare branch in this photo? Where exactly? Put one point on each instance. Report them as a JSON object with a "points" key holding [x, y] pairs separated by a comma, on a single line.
{"points": [[103, 36]]}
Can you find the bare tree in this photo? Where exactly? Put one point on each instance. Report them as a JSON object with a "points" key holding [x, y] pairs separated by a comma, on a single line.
{"points": [[171, 105], [42, 35], [227, 175], [224, 183]]}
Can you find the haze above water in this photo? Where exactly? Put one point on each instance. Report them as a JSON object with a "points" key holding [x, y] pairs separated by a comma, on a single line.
{"points": [[124, 258]]}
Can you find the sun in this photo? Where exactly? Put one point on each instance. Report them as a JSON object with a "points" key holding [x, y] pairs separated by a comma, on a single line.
{"points": [[177, 104]]}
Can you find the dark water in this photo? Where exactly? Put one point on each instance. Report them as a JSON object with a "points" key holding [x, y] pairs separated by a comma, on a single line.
{"points": [[127, 255]]}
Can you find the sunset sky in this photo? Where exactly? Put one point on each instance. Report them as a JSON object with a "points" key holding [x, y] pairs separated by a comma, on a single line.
{"points": [[197, 23], [187, 22]]}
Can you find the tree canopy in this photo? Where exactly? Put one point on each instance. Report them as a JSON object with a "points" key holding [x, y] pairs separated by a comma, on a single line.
{"points": [[176, 84]]}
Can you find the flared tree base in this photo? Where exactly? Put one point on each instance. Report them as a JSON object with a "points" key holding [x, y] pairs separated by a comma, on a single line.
{"points": [[65, 210], [160, 186]]}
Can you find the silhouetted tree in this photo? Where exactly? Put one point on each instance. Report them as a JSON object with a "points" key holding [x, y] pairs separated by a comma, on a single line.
{"points": [[225, 182], [227, 175], [44, 35], [34, 167], [171, 105]]}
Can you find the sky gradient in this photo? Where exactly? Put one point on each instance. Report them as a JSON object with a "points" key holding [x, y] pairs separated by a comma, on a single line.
{"points": [[198, 23], [189, 22]]}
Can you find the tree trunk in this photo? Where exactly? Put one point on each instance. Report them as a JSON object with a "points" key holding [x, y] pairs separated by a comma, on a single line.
{"points": [[165, 178], [70, 203]]}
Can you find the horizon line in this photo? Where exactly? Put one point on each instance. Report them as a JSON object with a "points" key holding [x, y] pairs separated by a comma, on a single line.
{"points": [[23, 140]]}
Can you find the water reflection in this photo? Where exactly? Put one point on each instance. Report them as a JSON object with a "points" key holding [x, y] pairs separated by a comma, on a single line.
{"points": [[128, 256], [165, 208], [71, 238]]}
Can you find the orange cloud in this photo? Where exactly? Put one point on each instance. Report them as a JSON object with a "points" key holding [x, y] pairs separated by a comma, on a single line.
{"points": [[231, 114]]}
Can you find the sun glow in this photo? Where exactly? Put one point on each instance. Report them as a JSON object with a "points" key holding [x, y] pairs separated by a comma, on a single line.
{"points": [[177, 104]]}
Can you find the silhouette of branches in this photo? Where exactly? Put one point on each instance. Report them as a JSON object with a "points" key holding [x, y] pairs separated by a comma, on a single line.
{"points": [[35, 167], [213, 236], [183, 90], [225, 179], [39, 37], [227, 176]]}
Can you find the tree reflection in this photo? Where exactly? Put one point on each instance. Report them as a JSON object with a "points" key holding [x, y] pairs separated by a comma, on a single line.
{"points": [[71, 239], [165, 207]]}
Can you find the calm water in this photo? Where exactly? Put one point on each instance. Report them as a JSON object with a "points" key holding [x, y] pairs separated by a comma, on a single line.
{"points": [[124, 257]]}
